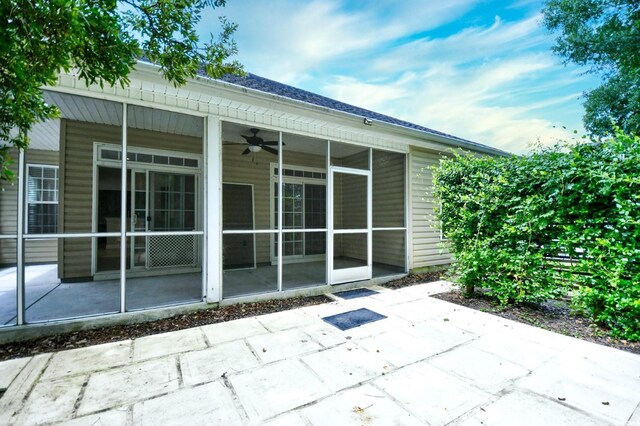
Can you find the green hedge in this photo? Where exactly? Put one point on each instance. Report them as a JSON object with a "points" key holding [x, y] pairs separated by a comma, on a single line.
{"points": [[508, 218]]}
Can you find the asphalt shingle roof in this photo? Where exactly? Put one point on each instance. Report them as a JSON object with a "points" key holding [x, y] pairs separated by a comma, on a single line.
{"points": [[255, 82]]}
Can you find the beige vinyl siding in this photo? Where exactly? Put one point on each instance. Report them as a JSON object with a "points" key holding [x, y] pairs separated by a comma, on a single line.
{"points": [[426, 247], [9, 214], [388, 205], [388, 200], [255, 169], [389, 248], [77, 176], [36, 251], [351, 191]]}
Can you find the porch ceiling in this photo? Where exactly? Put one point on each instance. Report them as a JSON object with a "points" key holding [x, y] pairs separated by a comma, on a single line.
{"points": [[106, 112], [232, 134]]}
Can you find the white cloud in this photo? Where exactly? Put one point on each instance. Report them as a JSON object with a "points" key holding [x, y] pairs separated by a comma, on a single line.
{"points": [[288, 39], [497, 84], [467, 46], [467, 102]]}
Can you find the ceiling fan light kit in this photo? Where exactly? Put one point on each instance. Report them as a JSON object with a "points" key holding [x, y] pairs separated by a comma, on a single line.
{"points": [[257, 144]]}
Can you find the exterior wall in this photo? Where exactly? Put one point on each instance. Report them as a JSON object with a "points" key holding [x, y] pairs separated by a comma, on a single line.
{"points": [[388, 203], [427, 249], [255, 169], [77, 182], [388, 200], [36, 251]]}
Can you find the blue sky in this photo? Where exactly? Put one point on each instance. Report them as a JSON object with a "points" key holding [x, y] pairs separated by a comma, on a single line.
{"points": [[481, 70]]}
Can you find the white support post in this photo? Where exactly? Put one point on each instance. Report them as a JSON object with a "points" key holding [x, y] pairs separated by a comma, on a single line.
{"points": [[22, 186], [201, 188], [407, 198], [329, 215], [280, 195], [370, 215], [123, 213], [213, 209]]}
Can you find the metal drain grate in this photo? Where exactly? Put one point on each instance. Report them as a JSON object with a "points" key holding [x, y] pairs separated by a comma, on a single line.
{"points": [[353, 319], [355, 293]]}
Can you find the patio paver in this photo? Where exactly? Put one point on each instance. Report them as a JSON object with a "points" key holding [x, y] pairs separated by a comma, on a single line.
{"points": [[429, 362], [84, 360], [126, 385]]}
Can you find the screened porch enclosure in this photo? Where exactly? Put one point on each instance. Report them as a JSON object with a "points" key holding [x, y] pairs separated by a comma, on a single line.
{"points": [[67, 259], [341, 216]]}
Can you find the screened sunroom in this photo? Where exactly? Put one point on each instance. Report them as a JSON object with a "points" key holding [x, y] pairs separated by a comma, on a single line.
{"points": [[300, 211], [113, 204], [106, 213]]}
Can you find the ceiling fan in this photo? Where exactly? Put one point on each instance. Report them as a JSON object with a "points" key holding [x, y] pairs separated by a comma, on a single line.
{"points": [[256, 143]]}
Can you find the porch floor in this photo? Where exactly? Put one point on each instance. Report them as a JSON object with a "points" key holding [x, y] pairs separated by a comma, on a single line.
{"points": [[263, 278], [46, 298]]}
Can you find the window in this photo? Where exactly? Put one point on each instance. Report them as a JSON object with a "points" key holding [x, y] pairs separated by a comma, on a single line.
{"points": [[42, 199], [304, 207]]}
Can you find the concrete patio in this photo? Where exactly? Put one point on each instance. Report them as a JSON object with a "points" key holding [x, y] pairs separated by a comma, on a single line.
{"points": [[429, 362]]}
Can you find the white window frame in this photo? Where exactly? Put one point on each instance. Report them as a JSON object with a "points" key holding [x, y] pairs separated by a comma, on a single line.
{"points": [[42, 166], [143, 166], [295, 180]]}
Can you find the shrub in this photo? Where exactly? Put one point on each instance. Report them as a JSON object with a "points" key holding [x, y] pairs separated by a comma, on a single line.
{"points": [[506, 218]]}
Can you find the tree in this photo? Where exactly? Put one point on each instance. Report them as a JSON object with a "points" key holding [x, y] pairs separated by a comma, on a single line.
{"points": [[102, 39], [604, 35]]}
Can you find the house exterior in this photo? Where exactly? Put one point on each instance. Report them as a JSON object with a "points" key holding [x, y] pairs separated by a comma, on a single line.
{"points": [[150, 196]]}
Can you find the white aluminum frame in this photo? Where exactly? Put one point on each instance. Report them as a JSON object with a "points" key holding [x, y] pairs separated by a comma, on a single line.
{"points": [[295, 180], [338, 276], [21, 236], [143, 167]]}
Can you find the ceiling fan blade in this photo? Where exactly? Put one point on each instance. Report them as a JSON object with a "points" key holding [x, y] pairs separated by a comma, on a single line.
{"points": [[270, 143], [246, 151], [269, 149]]}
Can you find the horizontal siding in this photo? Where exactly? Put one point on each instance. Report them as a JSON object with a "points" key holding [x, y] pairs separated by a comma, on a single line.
{"points": [[255, 169], [36, 251], [9, 214], [77, 192], [426, 247], [78, 180], [41, 251], [388, 201], [388, 189], [389, 247]]}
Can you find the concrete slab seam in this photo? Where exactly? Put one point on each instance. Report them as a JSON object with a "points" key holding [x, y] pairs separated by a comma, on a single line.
{"points": [[234, 397], [253, 352], [564, 404], [635, 411], [179, 370], [397, 401], [204, 336], [76, 405], [38, 377], [16, 414]]}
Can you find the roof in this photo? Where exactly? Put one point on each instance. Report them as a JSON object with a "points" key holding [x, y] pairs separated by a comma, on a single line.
{"points": [[265, 85], [261, 84]]}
